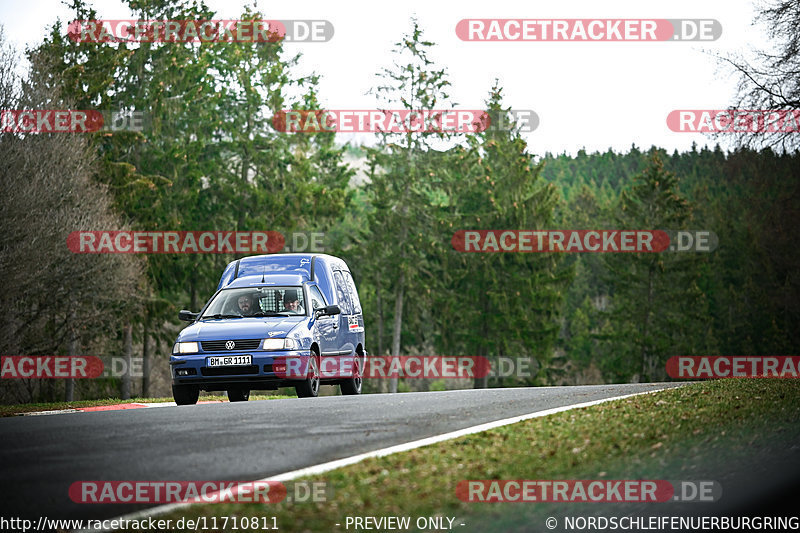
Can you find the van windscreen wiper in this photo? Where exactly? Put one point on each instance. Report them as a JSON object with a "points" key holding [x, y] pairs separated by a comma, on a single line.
{"points": [[218, 316]]}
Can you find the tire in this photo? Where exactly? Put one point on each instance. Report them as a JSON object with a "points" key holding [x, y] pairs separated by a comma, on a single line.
{"points": [[310, 387], [238, 395], [185, 394], [352, 385]]}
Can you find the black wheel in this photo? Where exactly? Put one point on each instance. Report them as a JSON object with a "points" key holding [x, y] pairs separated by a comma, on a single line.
{"points": [[185, 394], [310, 387], [238, 395], [353, 384]]}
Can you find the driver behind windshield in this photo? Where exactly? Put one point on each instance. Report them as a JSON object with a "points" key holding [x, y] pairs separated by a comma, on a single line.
{"points": [[246, 305]]}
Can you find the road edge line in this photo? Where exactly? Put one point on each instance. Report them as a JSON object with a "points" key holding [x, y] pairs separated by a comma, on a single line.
{"points": [[383, 452]]}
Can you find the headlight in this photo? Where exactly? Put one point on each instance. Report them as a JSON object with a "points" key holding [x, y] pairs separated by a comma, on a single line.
{"points": [[185, 347], [279, 344]]}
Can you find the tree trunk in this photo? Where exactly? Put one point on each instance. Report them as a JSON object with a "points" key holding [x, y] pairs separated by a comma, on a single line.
{"points": [[382, 387], [193, 290], [645, 351], [127, 348], [482, 382], [378, 291], [146, 355], [72, 351], [398, 324]]}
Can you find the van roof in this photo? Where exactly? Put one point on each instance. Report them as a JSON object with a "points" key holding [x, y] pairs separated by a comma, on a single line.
{"points": [[296, 267], [271, 279]]}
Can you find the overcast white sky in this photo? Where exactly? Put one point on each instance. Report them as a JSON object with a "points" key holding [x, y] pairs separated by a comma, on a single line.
{"points": [[588, 95]]}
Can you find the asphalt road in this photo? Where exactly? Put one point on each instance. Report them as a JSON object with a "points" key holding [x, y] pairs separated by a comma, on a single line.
{"points": [[41, 456]]}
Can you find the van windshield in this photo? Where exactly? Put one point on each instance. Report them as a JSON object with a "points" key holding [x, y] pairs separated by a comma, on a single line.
{"points": [[259, 301]]}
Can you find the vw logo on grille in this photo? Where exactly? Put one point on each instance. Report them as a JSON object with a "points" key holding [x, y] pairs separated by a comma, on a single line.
{"points": [[230, 345]]}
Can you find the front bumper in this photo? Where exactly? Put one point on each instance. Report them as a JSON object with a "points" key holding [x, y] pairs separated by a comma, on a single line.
{"points": [[265, 372]]}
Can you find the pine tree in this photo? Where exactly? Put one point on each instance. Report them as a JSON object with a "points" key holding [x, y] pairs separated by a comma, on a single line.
{"points": [[657, 308], [401, 187]]}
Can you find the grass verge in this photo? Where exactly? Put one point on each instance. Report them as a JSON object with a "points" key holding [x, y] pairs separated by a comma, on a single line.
{"points": [[681, 433]]}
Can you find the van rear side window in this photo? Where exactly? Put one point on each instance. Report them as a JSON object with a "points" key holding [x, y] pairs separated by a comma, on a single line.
{"points": [[341, 293], [351, 286]]}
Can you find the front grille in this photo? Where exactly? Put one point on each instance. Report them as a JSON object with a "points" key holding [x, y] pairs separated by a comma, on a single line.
{"points": [[229, 370], [239, 344]]}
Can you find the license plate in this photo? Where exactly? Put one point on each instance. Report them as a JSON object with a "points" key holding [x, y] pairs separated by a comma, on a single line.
{"points": [[230, 360]]}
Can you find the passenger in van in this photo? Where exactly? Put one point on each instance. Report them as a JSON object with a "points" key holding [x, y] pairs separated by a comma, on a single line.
{"points": [[290, 302]]}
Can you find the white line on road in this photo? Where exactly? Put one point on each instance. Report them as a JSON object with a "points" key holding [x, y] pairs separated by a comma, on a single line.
{"points": [[339, 463]]}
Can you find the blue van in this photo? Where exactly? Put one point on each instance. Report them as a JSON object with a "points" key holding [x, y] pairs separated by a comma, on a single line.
{"points": [[279, 320]]}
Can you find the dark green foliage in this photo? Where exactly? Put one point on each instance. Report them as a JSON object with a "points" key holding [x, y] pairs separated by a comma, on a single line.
{"points": [[740, 299]]}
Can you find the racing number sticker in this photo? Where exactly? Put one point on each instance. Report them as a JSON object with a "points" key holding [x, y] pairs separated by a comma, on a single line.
{"points": [[352, 324]]}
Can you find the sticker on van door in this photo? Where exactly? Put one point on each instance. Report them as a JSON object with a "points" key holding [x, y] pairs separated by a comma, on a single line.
{"points": [[352, 324]]}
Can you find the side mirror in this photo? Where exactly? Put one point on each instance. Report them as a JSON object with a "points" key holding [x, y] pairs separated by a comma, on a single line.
{"points": [[187, 316], [330, 310]]}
